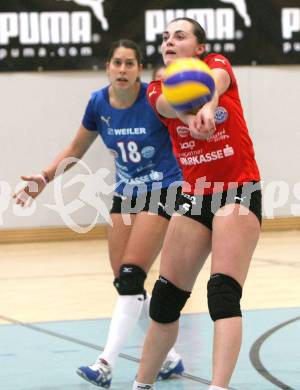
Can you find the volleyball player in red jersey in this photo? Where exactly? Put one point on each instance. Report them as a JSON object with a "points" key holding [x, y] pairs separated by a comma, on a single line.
{"points": [[219, 212]]}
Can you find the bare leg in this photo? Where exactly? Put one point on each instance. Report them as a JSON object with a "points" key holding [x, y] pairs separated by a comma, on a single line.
{"points": [[226, 347], [134, 249], [163, 335], [234, 240], [144, 324], [118, 236], [180, 264], [145, 241]]}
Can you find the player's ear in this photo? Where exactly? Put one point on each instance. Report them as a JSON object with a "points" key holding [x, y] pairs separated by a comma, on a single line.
{"points": [[200, 49]]}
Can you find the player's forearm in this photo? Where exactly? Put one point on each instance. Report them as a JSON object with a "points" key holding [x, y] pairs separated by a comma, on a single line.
{"points": [[184, 116], [164, 108], [213, 103]]}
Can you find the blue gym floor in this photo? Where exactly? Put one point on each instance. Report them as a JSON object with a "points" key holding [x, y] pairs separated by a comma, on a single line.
{"points": [[44, 356]]}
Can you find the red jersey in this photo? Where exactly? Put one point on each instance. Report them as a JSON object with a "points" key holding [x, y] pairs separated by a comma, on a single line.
{"points": [[224, 160]]}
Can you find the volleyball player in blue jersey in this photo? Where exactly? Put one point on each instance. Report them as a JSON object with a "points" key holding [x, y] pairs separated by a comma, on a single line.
{"points": [[143, 158]]}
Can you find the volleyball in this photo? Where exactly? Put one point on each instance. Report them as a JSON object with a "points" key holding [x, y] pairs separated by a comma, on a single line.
{"points": [[188, 83]]}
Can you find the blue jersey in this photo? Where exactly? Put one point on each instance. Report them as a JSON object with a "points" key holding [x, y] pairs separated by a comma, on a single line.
{"points": [[137, 139]]}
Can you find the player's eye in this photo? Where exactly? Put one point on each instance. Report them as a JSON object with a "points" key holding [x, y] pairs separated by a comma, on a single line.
{"points": [[117, 62], [130, 64], [180, 36]]}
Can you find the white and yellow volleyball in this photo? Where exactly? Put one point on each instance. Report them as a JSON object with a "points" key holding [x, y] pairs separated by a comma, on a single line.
{"points": [[188, 83]]}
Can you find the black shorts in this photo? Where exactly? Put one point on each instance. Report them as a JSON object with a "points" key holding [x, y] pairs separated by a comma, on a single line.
{"points": [[161, 202], [203, 208]]}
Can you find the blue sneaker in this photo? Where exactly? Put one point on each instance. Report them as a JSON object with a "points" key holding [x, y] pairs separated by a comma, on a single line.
{"points": [[99, 374], [170, 368]]}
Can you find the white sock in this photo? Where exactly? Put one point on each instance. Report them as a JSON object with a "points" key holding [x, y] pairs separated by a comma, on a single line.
{"points": [[144, 322], [126, 314], [216, 388], [142, 386]]}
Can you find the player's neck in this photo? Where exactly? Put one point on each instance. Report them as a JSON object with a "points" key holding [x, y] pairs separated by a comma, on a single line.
{"points": [[124, 98]]}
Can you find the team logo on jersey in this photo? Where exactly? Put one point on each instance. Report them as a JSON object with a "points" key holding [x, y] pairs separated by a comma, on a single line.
{"points": [[220, 60], [221, 115], [228, 151], [182, 131], [188, 145], [155, 175], [152, 92], [105, 120], [148, 151]]}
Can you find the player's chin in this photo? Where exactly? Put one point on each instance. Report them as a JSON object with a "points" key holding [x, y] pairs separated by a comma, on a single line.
{"points": [[169, 58]]}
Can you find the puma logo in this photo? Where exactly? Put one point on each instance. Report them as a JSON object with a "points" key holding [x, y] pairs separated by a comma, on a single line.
{"points": [[97, 8], [152, 92], [106, 120], [241, 8], [220, 60]]}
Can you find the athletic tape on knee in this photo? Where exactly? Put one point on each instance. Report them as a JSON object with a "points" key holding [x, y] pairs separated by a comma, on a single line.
{"points": [[223, 295], [167, 301], [131, 280]]}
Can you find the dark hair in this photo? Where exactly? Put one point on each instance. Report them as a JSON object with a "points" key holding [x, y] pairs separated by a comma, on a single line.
{"points": [[128, 44], [197, 29]]}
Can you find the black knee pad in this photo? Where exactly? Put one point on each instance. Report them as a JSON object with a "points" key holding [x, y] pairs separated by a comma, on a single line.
{"points": [[167, 301], [223, 294], [131, 280]]}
